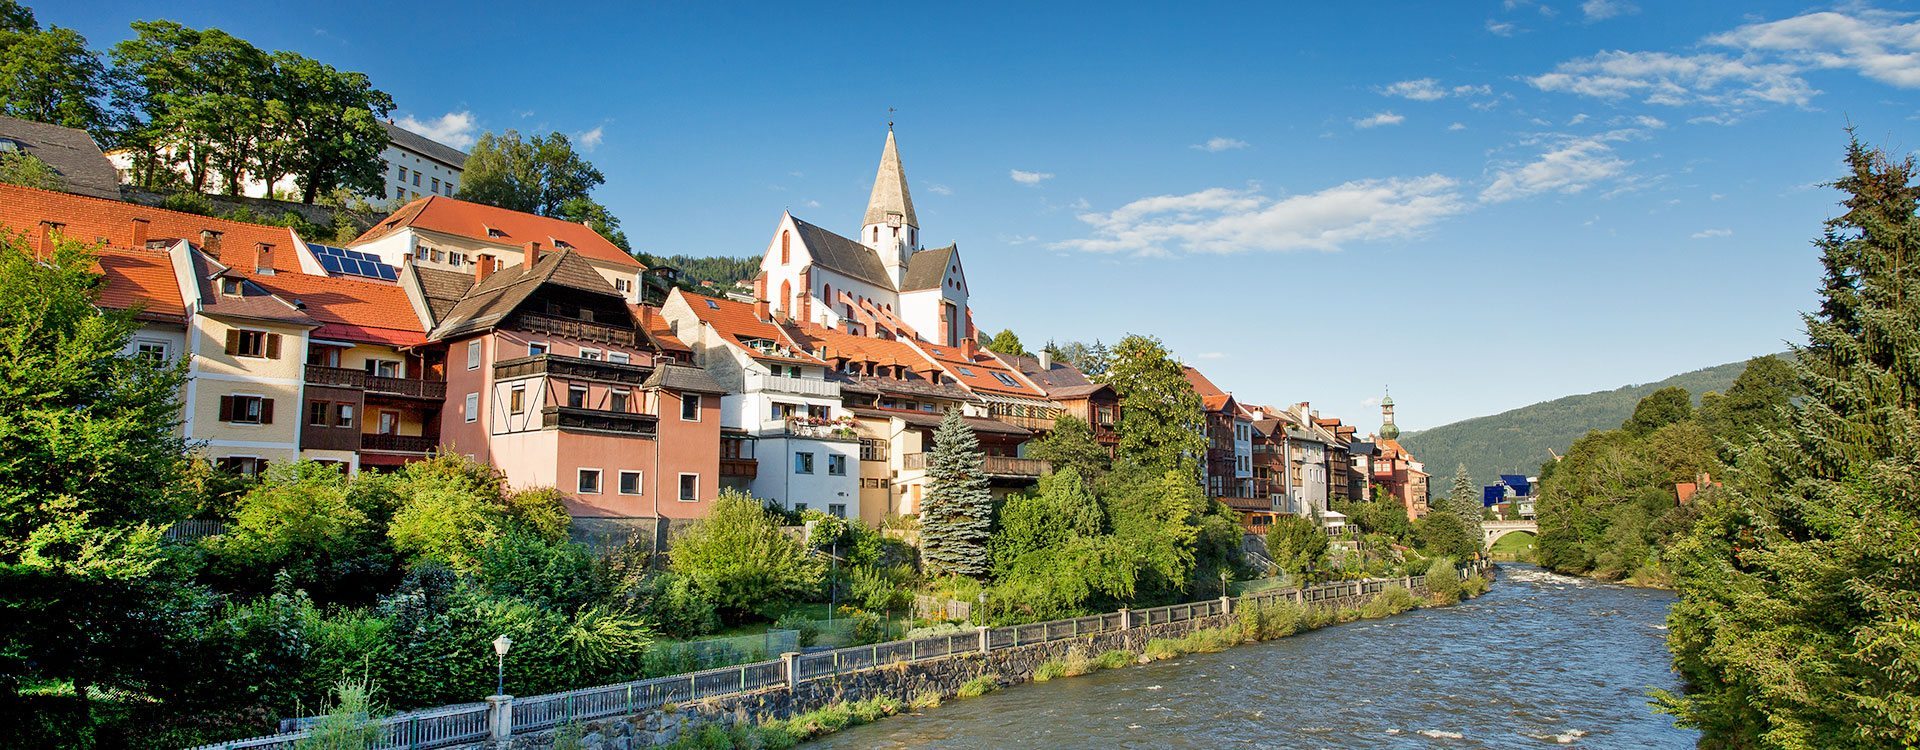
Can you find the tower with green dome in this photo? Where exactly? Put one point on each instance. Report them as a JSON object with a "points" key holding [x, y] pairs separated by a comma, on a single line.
{"points": [[1388, 429]]}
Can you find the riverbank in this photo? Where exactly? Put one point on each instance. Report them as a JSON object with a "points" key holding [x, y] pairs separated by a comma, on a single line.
{"points": [[1247, 623], [1541, 660]]}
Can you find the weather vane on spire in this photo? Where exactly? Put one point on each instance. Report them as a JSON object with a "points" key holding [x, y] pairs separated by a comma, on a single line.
{"points": [[890, 112]]}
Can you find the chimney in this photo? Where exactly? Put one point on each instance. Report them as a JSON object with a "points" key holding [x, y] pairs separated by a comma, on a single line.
{"points": [[1046, 360], [482, 267], [44, 245], [139, 241], [760, 297], [806, 293], [531, 256], [210, 242], [263, 259]]}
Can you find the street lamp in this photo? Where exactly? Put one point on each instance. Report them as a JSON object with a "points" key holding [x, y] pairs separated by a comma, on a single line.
{"points": [[500, 646]]}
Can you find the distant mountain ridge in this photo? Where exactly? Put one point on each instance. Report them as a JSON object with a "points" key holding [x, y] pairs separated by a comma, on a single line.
{"points": [[1517, 441]]}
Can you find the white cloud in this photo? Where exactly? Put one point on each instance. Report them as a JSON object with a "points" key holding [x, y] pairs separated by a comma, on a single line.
{"points": [[1226, 220], [1601, 10], [1568, 165], [1371, 402], [1875, 44], [1457, 126], [1674, 80], [1218, 144], [1019, 239], [1498, 28], [1577, 119], [1650, 122], [1029, 178], [1705, 234], [453, 128], [1210, 355], [939, 189], [813, 204], [1428, 90], [590, 140], [1382, 118]]}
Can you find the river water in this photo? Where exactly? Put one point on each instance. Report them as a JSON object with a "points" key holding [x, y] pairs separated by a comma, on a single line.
{"points": [[1542, 660]]}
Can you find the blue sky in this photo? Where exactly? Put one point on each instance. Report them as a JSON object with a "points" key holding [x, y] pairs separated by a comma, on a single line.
{"points": [[1482, 204]]}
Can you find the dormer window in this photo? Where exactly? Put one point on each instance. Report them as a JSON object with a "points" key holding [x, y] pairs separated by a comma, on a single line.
{"points": [[557, 242], [491, 232], [231, 287]]}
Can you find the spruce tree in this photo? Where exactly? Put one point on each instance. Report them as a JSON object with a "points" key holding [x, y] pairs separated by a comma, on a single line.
{"points": [[956, 517], [1799, 588], [1464, 501]]}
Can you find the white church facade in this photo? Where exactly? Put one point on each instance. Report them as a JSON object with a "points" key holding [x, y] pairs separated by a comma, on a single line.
{"points": [[884, 283]]}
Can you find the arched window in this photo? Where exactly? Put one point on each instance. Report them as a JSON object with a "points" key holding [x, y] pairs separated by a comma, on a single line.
{"points": [[786, 246], [786, 298], [876, 234], [827, 294]]}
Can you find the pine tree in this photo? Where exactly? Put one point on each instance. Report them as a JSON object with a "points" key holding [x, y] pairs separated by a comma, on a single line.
{"points": [[1799, 589], [956, 517], [1464, 501]]}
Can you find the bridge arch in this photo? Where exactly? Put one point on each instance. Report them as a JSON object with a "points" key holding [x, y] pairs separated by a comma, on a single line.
{"points": [[1494, 530]]}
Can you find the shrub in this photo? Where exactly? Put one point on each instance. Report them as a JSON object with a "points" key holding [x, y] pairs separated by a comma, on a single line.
{"points": [[1474, 585], [1160, 649], [979, 686], [1442, 582], [347, 724], [739, 556], [866, 627], [1391, 601], [924, 700], [1114, 659], [1050, 669], [188, 202], [797, 620], [1077, 663], [674, 604]]}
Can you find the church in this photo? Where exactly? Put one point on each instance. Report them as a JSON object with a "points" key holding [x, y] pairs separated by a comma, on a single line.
{"points": [[884, 283]]}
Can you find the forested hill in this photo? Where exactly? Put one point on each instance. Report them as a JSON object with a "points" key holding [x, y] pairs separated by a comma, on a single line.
{"points": [[1516, 442], [722, 271]]}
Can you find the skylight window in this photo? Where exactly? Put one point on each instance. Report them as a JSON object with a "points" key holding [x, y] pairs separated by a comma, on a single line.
{"points": [[491, 232], [712, 305], [557, 242], [1005, 379], [965, 371]]}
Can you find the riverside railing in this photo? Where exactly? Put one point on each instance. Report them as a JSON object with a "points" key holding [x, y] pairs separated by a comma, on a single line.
{"points": [[503, 716]]}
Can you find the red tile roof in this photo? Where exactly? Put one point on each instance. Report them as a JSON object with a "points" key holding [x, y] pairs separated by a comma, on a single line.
{"points": [[1211, 397], [90, 219], [141, 278], [735, 322], [837, 344], [979, 372], [515, 228], [349, 309], [658, 329]]}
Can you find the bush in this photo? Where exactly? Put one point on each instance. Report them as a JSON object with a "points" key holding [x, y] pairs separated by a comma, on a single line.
{"points": [[1442, 582], [797, 620], [674, 604], [924, 700], [1474, 585], [866, 627], [1114, 659], [347, 724], [739, 556], [1050, 669], [188, 202], [1391, 601], [1160, 649]]}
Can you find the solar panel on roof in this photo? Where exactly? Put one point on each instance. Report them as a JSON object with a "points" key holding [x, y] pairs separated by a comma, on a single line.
{"points": [[340, 260]]}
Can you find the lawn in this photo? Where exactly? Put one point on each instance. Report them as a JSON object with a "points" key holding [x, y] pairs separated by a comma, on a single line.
{"points": [[1519, 544]]}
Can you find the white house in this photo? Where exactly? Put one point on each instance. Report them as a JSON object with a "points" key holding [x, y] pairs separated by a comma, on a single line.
{"points": [[414, 165]]}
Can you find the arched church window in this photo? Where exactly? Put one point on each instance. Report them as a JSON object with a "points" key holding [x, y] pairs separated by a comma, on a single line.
{"points": [[786, 246]]}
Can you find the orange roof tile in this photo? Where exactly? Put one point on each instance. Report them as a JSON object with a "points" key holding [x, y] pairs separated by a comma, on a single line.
{"points": [[832, 343], [439, 213], [348, 309], [658, 329], [979, 372], [736, 322], [141, 278], [90, 219], [1211, 397]]}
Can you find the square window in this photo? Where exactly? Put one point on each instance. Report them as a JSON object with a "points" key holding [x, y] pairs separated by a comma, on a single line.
{"points": [[589, 483], [247, 410], [837, 465], [799, 507], [837, 510], [577, 396], [473, 407], [473, 354], [690, 487], [343, 415], [535, 349], [803, 463], [251, 343], [630, 483], [620, 358], [318, 413], [151, 349], [592, 354], [690, 407], [618, 401]]}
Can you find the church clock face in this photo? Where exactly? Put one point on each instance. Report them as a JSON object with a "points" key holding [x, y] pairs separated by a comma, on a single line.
{"points": [[893, 220]]}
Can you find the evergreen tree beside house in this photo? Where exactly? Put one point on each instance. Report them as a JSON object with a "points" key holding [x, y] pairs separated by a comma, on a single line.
{"points": [[957, 515]]}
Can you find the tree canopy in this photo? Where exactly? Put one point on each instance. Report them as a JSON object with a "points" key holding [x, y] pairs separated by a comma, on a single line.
{"points": [[49, 75], [1160, 414], [1006, 342], [542, 174]]}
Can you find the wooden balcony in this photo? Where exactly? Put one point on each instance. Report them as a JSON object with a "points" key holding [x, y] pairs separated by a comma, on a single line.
{"points": [[599, 420], [1009, 466], [578, 330], [398, 443], [1037, 424], [913, 462], [341, 377], [1253, 504], [739, 467], [572, 368]]}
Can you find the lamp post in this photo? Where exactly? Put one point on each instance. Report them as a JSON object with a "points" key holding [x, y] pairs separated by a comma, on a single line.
{"points": [[500, 646]]}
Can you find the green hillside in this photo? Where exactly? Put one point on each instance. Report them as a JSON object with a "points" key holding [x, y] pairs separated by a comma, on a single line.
{"points": [[1516, 442]]}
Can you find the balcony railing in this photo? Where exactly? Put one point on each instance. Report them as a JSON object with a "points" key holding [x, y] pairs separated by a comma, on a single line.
{"points": [[800, 428], [1042, 424], [599, 420], [739, 467], [1009, 466], [996, 466], [397, 443], [796, 386], [574, 329], [572, 368], [341, 377]]}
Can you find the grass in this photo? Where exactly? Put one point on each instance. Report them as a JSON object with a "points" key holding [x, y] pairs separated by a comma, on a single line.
{"points": [[1517, 546], [979, 686]]}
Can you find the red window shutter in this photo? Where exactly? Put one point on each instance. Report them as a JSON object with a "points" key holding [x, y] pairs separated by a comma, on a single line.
{"points": [[226, 408], [266, 411], [233, 341], [273, 346]]}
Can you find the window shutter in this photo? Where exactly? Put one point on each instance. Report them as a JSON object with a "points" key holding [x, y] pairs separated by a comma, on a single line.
{"points": [[226, 406], [266, 411], [233, 341], [273, 346]]}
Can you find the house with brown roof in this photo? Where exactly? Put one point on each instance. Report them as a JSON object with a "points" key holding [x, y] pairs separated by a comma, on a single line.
{"points": [[449, 235], [553, 379], [1070, 391], [1229, 431]]}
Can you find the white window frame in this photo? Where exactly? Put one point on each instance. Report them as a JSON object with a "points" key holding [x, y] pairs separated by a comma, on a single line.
{"points": [[620, 358], [639, 483], [140, 346], [692, 399], [473, 354], [590, 353], [599, 485], [472, 408], [542, 346], [682, 487]]}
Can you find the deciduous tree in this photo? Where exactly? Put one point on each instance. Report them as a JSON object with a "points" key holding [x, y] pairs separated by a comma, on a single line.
{"points": [[1160, 421], [49, 75], [741, 559]]}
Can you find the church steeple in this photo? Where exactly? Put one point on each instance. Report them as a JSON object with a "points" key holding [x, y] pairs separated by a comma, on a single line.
{"points": [[890, 227], [1388, 429]]}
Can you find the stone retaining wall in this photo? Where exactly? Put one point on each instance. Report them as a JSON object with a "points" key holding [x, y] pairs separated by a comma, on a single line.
{"points": [[904, 681]]}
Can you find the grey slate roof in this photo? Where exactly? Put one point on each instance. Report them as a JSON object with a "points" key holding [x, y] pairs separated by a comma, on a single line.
{"points": [[684, 379], [890, 189], [425, 146], [1062, 378], [70, 151], [442, 289], [927, 269], [842, 255]]}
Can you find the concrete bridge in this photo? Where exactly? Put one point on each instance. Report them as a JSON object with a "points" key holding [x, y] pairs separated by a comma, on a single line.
{"points": [[1496, 529]]}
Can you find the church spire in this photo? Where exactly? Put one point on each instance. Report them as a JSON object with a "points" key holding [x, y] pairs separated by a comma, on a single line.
{"points": [[890, 197]]}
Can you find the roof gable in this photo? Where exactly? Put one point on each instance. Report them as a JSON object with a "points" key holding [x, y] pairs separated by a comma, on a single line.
{"points": [[737, 324], [499, 226], [70, 152], [489, 302], [927, 269]]}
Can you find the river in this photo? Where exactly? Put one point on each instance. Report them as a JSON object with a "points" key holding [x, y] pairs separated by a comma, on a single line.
{"points": [[1542, 660]]}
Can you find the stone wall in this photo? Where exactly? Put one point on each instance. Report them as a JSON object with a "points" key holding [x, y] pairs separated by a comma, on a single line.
{"points": [[903, 681]]}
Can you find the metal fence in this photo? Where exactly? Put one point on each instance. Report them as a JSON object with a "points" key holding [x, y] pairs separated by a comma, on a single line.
{"points": [[452, 725]]}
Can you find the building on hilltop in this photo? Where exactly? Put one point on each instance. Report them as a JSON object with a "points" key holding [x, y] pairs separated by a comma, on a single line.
{"points": [[70, 152], [414, 165]]}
